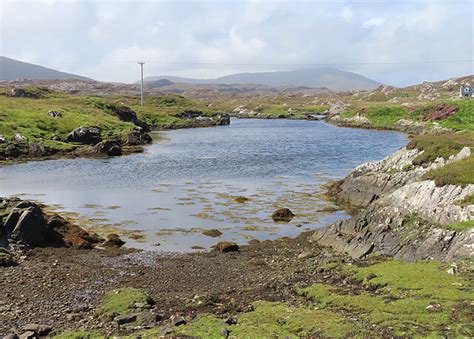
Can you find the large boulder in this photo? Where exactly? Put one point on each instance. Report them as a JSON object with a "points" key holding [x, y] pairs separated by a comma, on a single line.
{"points": [[85, 135], [109, 147], [223, 120], [27, 224], [226, 246]]}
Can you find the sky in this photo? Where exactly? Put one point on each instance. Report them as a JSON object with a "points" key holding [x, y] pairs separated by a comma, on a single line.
{"points": [[397, 42]]}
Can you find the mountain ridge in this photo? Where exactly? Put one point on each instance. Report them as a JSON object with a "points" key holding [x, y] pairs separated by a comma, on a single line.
{"points": [[11, 69], [334, 79]]}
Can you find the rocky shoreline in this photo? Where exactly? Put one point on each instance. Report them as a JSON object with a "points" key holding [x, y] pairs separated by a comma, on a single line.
{"points": [[398, 213]]}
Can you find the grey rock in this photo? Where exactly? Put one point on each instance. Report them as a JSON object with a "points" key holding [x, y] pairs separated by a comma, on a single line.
{"points": [[109, 147], [125, 319], [19, 138], [55, 114], [3, 140], [177, 320], [282, 214]]}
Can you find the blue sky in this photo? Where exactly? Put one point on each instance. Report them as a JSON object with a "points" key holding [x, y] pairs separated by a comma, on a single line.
{"points": [[396, 42]]}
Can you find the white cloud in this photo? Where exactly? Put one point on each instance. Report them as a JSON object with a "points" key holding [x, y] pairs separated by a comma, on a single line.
{"points": [[104, 39], [373, 22]]}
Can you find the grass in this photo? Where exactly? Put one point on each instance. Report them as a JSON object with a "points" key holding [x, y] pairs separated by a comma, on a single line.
{"points": [[458, 173], [440, 145], [76, 335], [461, 226], [29, 115], [268, 320], [395, 295], [122, 301]]}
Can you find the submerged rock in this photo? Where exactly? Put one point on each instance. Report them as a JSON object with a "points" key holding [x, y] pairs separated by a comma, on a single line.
{"points": [[282, 214], [212, 233], [113, 240]]}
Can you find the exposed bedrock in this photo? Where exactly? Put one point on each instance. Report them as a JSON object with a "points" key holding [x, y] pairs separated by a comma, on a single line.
{"points": [[400, 214]]}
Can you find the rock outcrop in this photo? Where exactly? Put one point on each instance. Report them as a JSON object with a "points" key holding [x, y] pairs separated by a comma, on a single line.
{"points": [[26, 224], [90, 135], [399, 215]]}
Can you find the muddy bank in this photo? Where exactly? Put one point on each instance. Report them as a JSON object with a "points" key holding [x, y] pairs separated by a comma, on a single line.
{"points": [[400, 214]]}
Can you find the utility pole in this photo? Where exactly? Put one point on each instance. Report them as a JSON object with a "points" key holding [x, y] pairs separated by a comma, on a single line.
{"points": [[141, 63]]}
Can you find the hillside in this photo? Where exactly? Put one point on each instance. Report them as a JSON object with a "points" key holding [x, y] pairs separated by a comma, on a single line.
{"points": [[330, 78], [11, 69]]}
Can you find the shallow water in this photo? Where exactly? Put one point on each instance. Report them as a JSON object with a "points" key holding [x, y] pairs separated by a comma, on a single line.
{"points": [[188, 181]]}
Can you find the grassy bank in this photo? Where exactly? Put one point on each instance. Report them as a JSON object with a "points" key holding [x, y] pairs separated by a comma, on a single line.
{"points": [[29, 116]]}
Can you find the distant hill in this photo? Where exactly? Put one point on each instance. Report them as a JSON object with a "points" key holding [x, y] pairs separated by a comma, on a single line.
{"points": [[11, 69], [331, 78]]}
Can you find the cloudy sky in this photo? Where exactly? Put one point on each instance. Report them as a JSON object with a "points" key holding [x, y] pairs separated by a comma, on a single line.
{"points": [[398, 42]]}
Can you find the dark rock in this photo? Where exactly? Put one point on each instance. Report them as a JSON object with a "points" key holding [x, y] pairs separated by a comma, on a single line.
{"points": [[177, 320], [226, 246], [165, 331], [11, 336], [37, 150], [212, 233], [55, 114], [125, 113], [225, 333], [15, 150], [3, 140], [85, 135], [31, 228], [125, 319], [6, 258], [113, 240], [23, 93], [138, 137], [40, 330], [109, 147], [282, 214], [223, 120], [231, 321], [190, 114]]}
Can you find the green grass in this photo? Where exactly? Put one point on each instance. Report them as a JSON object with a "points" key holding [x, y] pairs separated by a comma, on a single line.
{"points": [[458, 173], [122, 301], [469, 200], [76, 335], [440, 145], [395, 297], [461, 226], [464, 117], [268, 320]]}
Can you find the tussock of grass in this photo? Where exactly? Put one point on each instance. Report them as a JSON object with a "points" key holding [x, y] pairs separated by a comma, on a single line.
{"points": [[122, 301], [76, 335], [461, 226]]}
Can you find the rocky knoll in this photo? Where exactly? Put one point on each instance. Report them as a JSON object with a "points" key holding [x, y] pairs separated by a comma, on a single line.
{"points": [[24, 223], [399, 213]]}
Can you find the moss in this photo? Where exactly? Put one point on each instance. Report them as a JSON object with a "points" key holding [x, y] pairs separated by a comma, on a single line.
{"points": [[467, 201], [122, 301], [76, 335], [402, 293], [271, 319]]}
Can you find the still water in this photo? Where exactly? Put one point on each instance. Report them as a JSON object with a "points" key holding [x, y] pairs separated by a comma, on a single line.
{"points": [[191, 180]]}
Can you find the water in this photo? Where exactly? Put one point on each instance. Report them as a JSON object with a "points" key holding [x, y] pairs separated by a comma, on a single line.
{"points": [[164, 198]]}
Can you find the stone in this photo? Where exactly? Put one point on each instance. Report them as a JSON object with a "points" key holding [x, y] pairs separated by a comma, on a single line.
{"points": [[165, 331], [125, 319], [113, 240], [3, 140], [305, 255], [55, 114], [85, 135], [37, 150], [40, 330], [27, 335], [432, 308], [138, 137], [109, 147], [212, 233], [226, 246], [17, 137], [177, 320], [223, 120], [14, 150], [31, 228], [231, 321], [282, 214], [225, 333]]}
